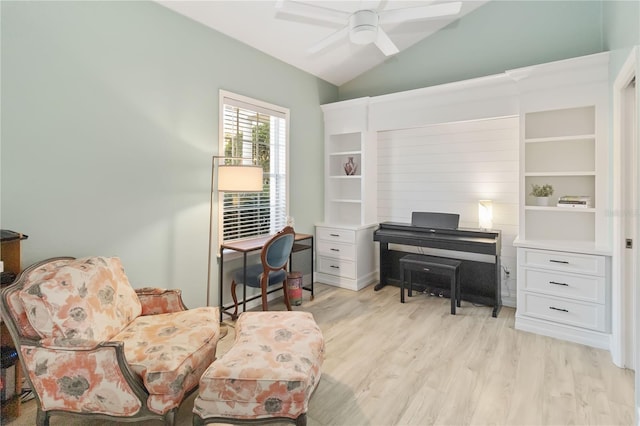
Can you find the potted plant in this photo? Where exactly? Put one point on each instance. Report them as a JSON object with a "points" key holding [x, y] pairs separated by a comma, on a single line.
{"points": [[542, 193]]}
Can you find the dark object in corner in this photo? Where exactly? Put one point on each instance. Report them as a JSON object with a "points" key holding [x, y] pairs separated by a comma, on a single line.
{"points": [[6, 236], [7, 278]]}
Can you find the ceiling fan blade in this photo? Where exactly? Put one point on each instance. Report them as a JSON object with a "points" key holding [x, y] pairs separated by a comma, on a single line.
{"points": [[329, 40], [311, 11], [385, 44], [420, 12], [370, 5]]}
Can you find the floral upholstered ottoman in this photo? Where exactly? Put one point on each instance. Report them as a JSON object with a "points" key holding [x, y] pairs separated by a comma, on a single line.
{"points": [[269, 373]]}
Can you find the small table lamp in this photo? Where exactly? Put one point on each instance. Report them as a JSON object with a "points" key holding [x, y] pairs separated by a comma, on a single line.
{"points": [[485, 214]]}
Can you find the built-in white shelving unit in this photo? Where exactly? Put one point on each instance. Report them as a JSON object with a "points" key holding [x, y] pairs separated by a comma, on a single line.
{"points": [[344, 192], [559, 149], [344, 241], [564, 252]]}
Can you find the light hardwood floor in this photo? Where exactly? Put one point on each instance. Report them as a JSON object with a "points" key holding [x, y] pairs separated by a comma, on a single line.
{"points": [[389, 363]]}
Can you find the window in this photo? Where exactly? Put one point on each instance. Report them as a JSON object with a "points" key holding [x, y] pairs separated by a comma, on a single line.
{"points": [[257, 132]]}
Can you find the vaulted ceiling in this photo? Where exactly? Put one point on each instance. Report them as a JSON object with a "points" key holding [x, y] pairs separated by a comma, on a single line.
{"points": [[276, 28]]}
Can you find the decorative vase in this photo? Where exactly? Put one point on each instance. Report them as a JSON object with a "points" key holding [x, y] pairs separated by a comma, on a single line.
{"points": [[350, 167], [542, 201]]}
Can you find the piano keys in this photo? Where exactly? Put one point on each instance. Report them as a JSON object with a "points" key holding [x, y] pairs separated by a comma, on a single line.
{"points": [[478, 249]]}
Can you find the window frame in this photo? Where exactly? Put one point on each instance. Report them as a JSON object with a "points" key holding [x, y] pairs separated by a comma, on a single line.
{"points": [[234, 99]]}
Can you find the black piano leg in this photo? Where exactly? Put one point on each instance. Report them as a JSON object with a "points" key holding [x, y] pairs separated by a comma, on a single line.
{"points": [[401, 285], [496, 310], [385, 266]]}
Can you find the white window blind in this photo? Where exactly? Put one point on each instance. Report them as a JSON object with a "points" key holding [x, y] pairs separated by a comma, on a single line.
{"points": [[256, 132]]}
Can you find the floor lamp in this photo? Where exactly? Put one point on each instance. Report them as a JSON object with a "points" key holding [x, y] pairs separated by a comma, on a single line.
{"points": [[231, 178]]}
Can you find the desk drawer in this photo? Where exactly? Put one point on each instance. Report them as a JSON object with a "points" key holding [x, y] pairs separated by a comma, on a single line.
{"points": [[579, 314], [584, 287], [338, 267], [338, 250], [564, 261], [336, 234]]}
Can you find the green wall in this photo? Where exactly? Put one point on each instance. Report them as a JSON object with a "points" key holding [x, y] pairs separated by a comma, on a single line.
{"points": [[621, 23], [497, 36], [109, 121]]}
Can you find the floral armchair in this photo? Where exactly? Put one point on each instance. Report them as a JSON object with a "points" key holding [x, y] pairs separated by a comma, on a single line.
{"points": [[91, 345]]}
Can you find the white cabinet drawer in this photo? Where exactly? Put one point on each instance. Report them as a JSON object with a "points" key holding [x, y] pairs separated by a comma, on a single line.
{"points": [[584, 287], [563, 261], [338, 267], [579, 314], [336, 234], [334, 249]]}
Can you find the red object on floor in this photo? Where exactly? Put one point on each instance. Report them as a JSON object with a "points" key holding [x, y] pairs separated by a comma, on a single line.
{"points": [[294, 286]]}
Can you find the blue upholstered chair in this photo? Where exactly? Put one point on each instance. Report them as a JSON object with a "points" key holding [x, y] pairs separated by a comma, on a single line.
{"points": [[272, 269]]}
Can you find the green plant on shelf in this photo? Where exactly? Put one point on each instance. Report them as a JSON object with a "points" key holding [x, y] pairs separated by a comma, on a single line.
{"points": [[545, 190]]}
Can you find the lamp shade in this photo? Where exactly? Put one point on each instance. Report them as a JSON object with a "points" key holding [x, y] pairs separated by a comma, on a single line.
{"points": [[238, 178], [485, 214]]}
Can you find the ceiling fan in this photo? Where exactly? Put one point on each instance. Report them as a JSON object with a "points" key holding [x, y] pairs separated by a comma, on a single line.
{"points": [[364, 25]]}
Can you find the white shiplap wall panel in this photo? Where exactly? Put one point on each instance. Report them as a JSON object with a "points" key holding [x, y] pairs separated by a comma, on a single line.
{"points": [[448, 168]]}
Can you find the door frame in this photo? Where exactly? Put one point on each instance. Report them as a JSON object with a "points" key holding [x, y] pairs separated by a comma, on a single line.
{"points": [[621, 318]]}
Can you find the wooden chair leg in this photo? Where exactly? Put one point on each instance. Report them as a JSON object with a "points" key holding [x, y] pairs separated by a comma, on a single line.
{"points": [[263, 286], [285, 288], [234, 315]]}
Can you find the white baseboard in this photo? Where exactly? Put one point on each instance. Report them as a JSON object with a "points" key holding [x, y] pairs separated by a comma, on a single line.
{"points": [[509, 301]]}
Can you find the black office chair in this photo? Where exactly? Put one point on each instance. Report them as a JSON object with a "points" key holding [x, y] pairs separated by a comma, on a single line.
{"points": [[272, 269]]}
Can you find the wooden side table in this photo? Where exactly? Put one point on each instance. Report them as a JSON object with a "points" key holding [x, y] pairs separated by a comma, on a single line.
{"points": [[10, 255]]}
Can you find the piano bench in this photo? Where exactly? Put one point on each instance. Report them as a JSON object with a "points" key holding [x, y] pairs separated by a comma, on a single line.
{"points": [[449, 268]]}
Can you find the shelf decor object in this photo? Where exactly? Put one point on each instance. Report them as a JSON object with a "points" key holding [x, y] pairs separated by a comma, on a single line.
{"points": [[574, 201], [230, 178], [350, 168], [542, 193]]}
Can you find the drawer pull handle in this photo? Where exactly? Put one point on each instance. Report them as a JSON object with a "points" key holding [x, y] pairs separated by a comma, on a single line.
{"points": [[557, 283], [558, 309], [335, 235], [426, 269], [334, 267], [334, 249], [559, 261]]}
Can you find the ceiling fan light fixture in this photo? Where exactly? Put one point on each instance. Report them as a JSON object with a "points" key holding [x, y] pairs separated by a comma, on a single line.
{"points": [[363, 27]]}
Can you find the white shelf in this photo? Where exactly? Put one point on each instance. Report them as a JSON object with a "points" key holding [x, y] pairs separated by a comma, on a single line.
{"points": [[551, 174], [343, 153], [353, 201], [562, 209], [560, 148], [561, 138], [349, 199]]}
